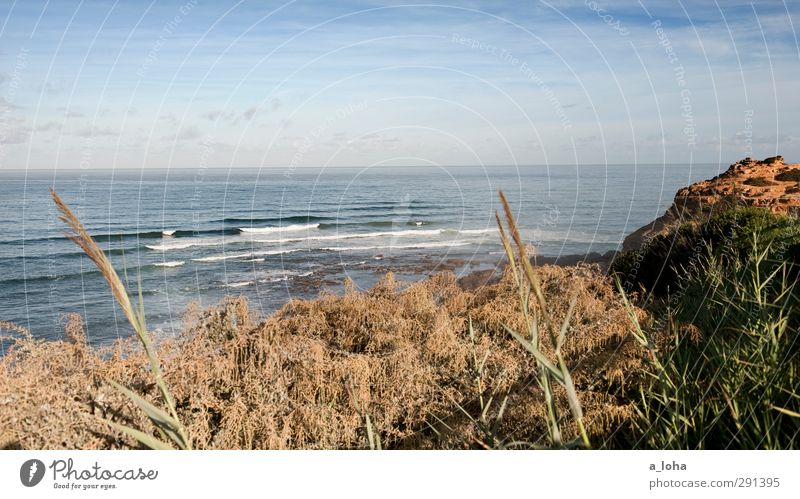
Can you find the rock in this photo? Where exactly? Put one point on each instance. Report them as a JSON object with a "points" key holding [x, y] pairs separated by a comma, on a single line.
{"points": [[745, 183]]}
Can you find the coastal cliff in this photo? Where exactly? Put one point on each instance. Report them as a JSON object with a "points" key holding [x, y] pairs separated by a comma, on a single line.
{"points": [[770, 183]]}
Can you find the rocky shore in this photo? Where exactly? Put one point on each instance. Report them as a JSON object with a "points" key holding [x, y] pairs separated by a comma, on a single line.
{"points": [[771, 184]]}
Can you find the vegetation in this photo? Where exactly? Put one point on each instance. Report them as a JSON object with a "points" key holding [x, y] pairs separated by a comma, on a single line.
{"points": [[758, 182], [546, 357], [306, 376], [167, 425], [727, 373], [399, 367], [658, 267], [792, 175], [538, 324], [723, 342]]}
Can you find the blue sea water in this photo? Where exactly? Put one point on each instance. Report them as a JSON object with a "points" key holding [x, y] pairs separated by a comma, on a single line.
{"points": [[273, 234]]}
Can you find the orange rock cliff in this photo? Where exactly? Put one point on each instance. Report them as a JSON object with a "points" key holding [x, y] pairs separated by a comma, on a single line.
{"points": [[770, 183]]}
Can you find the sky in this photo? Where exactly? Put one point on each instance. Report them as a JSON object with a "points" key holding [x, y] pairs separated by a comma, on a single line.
{"points": [[195, 83]]}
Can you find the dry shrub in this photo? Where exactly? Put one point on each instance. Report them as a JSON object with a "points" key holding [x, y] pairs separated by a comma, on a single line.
{"points": [[52, 392], [306, 376]]}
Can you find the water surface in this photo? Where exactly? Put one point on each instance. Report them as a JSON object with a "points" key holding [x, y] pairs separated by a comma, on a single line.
{"points": [[273, 234]]}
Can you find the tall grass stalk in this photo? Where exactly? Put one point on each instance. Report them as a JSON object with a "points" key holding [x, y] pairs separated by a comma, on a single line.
{"points": [[168, 424], [551, 369], [373, 437]]}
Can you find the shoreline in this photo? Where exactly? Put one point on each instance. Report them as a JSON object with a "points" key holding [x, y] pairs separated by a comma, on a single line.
{"points": [[378, 227], [476, 279]]}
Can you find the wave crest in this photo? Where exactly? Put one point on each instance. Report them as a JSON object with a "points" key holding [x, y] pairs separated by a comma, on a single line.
{"points": [[285, 228]]}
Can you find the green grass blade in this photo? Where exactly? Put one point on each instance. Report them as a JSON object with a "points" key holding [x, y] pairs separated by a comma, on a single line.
{"points": [[786, 411], [141, 437], [372, 437], [161, 419], [562, 334], [537, 354]]}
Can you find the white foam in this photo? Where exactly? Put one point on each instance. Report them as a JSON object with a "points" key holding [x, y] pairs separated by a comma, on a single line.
{"points": [[443, 244], [350, 264], [282, 275], [219, 258], [251, 236], [232, 256], [361, 235], [169, 264], [179, 244], [477, 231], [285, 228], [239, 284], [275, 279], [168, 233], [412, 232]]}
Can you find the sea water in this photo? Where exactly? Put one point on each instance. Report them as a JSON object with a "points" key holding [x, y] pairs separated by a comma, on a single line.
{"points": [[275, 234]]}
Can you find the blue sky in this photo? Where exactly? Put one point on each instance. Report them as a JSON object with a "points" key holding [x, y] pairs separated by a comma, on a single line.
{"points": [[103, 84]]}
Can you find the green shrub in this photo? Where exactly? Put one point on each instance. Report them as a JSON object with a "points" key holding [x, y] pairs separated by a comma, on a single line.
{"points": [[792, 175], [758, 182], [727, 374], [658, 266]]}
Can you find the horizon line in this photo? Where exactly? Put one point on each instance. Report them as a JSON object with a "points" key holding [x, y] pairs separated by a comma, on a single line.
{"points": [[293, 168]]}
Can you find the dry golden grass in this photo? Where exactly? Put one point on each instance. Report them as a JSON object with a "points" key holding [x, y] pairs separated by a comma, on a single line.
{"points": [[308, 375]]}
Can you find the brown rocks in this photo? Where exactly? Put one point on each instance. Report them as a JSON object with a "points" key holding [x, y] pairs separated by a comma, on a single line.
{"points": [[768, 184]]}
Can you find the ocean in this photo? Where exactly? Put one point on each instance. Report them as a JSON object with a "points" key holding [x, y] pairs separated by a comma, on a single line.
{"points": [[197, 235]]}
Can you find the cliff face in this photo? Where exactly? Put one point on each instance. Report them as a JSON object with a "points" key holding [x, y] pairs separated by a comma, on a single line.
{"points": [[770, 183]]}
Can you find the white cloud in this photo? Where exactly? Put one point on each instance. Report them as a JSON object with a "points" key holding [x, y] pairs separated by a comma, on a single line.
{"points": [[219, 115], [185, 133], [50, 126], [249, 113], [93, 131]]}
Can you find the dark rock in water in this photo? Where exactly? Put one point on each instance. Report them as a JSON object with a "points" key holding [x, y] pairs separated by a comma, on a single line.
{"points": [[601, 259], [480, 278]]}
